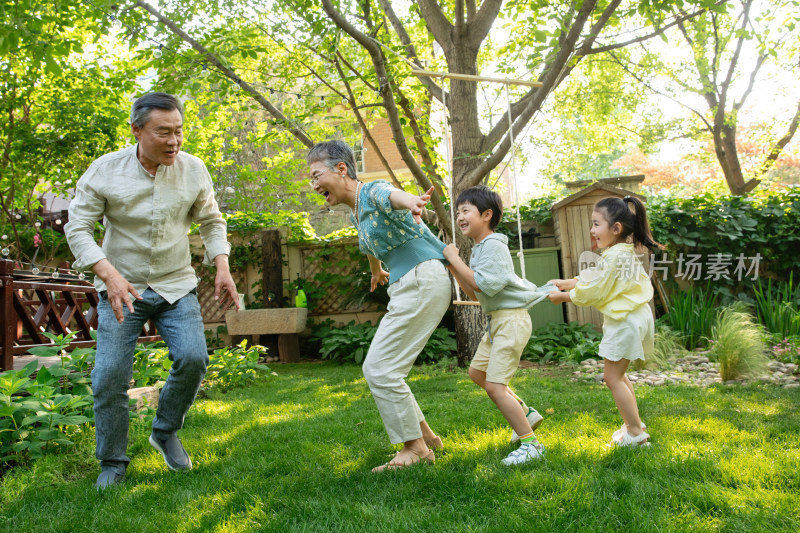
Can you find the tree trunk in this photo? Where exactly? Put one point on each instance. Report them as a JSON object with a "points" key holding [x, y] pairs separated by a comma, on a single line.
{"points": [[470, 325], [728, 157]]}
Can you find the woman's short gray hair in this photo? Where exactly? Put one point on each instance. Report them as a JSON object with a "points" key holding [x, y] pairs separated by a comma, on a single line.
{"points": [[331, 153], [140, 111]]}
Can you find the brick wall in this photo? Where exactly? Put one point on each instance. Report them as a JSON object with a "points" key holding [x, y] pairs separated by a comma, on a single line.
{"points": [[383, 138]]}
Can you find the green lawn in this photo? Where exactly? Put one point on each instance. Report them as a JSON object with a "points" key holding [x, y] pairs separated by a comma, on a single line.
{"points": [[294, 454]]}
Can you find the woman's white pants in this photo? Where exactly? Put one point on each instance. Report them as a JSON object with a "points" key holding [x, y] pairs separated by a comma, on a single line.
{"points": [[417, 302]]}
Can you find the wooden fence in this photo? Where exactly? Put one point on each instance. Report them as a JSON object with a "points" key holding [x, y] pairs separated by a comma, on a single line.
{"points": [[32, 304]]}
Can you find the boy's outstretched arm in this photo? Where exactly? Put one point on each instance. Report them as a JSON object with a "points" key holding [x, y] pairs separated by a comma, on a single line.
{"points": [[463, 274]]}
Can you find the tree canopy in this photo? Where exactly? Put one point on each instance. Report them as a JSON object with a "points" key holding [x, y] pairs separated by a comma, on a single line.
{"points": [[63, 100]]}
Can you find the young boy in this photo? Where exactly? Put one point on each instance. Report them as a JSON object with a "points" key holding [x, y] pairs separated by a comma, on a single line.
{"points": [[504, 297]]}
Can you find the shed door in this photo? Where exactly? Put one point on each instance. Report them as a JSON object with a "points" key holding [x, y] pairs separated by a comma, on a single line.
{"points": [[541, 265]]}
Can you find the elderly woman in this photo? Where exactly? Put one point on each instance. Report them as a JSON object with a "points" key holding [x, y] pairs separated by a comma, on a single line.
{"points": [[390, 232]]}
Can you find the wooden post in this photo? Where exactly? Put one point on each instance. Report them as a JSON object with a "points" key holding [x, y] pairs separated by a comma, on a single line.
{"points": [[271, 284], [9, 318], [271, 269]]}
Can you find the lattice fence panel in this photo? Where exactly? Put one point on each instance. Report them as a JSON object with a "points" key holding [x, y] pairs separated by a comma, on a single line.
{"points": [[338, 261], [210, 308]]}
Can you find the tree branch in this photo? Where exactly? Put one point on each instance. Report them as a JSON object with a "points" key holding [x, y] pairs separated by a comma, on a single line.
{"points": [[411, 50], [638, 78], [211, 58], [550, 79], [364, 127], [378, 61], [735, 59], [471, 10], [649, 36], [776, 150], [436, 22], [459, 19], [759, 63], [482, 23]]}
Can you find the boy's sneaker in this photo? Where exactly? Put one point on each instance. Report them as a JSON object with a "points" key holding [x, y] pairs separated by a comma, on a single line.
{"points": [[534, 419], [527, 451]]}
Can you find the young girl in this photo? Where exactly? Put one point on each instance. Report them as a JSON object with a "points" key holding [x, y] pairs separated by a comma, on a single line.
{"points": [[620, 289]]}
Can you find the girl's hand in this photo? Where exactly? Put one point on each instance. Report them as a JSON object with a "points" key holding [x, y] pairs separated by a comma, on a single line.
{"points": [[450, 252], [557, 297], [378, 278], [564, 284], [418, 204]]}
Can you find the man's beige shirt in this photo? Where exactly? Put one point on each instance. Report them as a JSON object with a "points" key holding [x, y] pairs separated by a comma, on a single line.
{"points": [[147, 220]]}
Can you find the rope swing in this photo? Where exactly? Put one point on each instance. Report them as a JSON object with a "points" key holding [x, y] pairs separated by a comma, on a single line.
{"points": [[448, 156]]}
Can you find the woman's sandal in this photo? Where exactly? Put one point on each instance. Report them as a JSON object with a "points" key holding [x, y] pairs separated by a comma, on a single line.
{"points": [[428, 458], [434, 443]]}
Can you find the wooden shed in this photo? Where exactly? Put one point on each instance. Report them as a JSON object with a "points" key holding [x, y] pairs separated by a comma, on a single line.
{"points": [[572, 218]]}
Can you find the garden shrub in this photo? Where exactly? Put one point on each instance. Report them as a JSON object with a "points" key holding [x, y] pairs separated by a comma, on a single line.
{"points": [[765, 223], [41, 409], [235, 367], [787, 350], [691, 315], [151, 364], [38, 411], [777, 307], [562, 343], [349, 344]]}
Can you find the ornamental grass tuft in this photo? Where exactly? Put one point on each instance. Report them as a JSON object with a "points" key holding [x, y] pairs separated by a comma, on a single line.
{"points": [[737, 344]]}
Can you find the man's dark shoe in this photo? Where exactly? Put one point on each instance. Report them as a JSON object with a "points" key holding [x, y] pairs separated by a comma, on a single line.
{"points": [[172, 450], [107, 478]]}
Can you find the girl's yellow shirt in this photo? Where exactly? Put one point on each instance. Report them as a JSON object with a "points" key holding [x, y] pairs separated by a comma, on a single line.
{"points": [[617, 286]]}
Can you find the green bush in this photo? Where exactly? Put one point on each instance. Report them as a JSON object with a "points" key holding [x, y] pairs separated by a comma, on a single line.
{"points": [[764, 223], [351, 343], [235, 367], [563, 343], [151, 364], [41, 409], [37, 413], [737, 344]]}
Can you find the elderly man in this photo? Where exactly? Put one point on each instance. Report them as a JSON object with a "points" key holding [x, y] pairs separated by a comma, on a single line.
{"points": [[148, 194]]}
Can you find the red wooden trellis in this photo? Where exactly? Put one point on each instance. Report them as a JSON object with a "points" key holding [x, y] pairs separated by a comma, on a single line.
{"points": [[32, 304]]}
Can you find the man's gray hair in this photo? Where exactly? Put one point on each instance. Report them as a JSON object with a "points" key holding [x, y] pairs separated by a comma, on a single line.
{"points": [[140, 111], [331, 153]]}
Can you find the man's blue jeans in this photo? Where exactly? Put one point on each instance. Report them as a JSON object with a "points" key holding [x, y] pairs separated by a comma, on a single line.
{"points": [[180, 324]]}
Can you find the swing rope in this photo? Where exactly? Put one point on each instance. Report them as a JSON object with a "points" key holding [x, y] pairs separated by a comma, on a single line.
{"points": [[449, 162], [449, 159], [520, 254]]}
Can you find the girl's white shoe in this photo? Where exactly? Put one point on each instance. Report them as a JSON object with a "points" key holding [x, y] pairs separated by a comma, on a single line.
{"points": [[625, 439], [622, 429]]}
